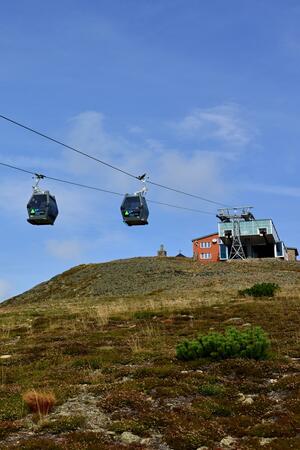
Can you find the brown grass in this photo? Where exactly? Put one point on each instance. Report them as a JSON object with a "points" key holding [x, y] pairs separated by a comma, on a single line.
{"points": [[39, 402]]}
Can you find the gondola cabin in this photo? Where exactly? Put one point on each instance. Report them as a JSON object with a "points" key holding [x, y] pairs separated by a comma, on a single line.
{"points": [[42, 208], [134, 209]]}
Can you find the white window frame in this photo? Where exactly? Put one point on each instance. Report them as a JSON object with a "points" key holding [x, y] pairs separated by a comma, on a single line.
{"points": [[205, 244], [205, 255]]}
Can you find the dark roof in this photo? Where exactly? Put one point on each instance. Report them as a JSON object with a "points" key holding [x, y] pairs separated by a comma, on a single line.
{"points": [[180, 255], [202, 237], [294, 248]]}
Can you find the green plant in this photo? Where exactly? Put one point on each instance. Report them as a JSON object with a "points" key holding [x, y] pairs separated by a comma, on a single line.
{"points": [[260, 290], [144, 315], [92, 363], [210, 389], [252, 343], [63, 424], [222, 411]]}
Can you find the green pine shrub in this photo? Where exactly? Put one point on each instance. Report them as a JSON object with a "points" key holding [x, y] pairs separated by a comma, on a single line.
{"points": [[210, 389], [260, 290], [252, 343]]}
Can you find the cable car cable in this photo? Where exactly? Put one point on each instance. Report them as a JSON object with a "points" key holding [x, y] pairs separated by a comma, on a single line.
{"points": [[181, 207], [85, 186], [67, 146], [32, 130], [185, 193]]}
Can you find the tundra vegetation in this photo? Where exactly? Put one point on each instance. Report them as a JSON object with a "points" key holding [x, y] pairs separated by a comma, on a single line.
{"points": [[95, 359]]}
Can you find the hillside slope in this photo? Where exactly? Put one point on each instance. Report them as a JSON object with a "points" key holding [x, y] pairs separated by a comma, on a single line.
{"points": [[102, 337], [144, 276]]}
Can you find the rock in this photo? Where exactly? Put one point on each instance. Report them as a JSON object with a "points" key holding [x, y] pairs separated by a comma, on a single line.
{"points": [[245, 399], [5, 356], [203, 448], [146, 441], [236, 320], [265, 441], [84, 404], [228, 441], [129, 438]]}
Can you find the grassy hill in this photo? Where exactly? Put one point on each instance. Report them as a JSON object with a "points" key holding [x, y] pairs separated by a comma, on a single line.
{"points": [[102, 337]]}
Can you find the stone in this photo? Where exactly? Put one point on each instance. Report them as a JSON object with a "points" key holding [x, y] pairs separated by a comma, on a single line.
{"points": [[228, 441], [248, 401], [129, 438], [265, 441], [5, 356], [236, 320], [245, 399]]}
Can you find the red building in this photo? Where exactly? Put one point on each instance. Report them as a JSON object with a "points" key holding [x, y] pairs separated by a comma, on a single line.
{"points": [[206, 248]]}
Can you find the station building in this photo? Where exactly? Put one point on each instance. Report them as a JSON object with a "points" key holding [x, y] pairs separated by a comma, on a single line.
{"points": [[259, 239]]}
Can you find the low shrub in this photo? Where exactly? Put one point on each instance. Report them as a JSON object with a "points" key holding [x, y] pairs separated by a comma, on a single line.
{"points": [[251, 343], [209, 389], [260, 290], [140, 315], [63, 424], [92, 363], [39, 402]]}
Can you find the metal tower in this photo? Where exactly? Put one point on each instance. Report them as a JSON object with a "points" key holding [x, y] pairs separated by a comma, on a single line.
{"points": [[236, 216], [237, 251]]}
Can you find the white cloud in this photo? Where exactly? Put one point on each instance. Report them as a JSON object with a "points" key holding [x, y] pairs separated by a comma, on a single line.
{"points": [[135, 129], [87, 134], [194, 170], [14, 195], [223, 123], [5, 289], [289, 191], [199, 172], [65, 249]]}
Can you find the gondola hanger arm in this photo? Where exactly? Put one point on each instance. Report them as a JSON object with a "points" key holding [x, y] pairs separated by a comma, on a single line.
{"points": [[37, 177], [143, 178]]}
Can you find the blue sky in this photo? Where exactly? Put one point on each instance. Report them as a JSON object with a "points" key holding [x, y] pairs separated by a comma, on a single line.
{"points": [[203, 96]]}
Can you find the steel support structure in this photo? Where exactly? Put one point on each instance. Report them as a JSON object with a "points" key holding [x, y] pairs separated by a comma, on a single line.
{"points": [[237, 251], [236, 216]]}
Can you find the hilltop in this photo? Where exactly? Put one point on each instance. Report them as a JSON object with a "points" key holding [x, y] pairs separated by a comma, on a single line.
{"points": [[153, 275], [102, 339]]}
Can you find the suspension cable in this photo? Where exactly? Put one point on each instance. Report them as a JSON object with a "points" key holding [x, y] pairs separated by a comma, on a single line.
{"points": [[85, 186], [100, 161]]}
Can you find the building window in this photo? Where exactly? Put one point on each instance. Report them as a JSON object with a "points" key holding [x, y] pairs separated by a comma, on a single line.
{"points": [[262, 231], [205, 255], [205, 244], [279, 249]]}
